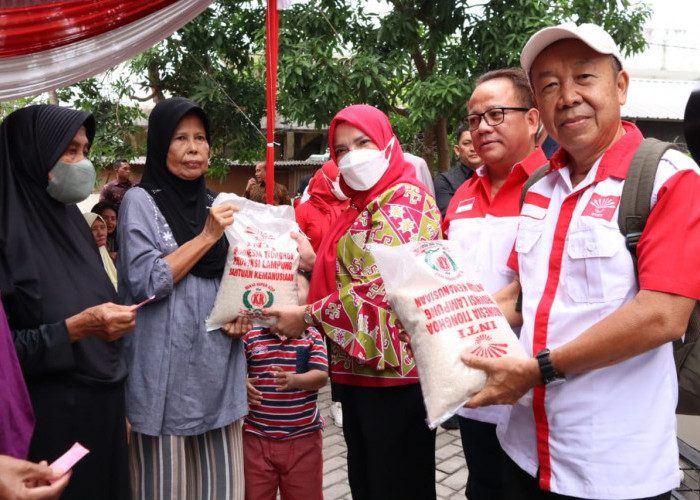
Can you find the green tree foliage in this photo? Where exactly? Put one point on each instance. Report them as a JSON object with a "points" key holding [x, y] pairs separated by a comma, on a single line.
{"points": [[418, 60], [217, 60], [117, 123]]}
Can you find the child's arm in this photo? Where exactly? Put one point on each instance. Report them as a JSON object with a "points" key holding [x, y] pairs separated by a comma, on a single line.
{"points": [[255, 397], [312, 380]]}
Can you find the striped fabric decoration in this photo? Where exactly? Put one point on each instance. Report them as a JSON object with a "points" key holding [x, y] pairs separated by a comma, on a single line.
{"points": [[45, 45]]}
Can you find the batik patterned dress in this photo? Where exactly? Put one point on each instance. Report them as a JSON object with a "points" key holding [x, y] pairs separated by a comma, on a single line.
{"points": [[357, 317]]}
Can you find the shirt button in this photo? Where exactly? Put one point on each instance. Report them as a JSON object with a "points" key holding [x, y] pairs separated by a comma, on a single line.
{"points": [[590, 246]]}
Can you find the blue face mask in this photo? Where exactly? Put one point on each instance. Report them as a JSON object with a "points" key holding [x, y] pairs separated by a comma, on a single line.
{"points": [[71, 182]]}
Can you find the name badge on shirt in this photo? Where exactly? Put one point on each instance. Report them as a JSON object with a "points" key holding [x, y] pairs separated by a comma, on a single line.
{"points": [[465, 205], [601, 207]]}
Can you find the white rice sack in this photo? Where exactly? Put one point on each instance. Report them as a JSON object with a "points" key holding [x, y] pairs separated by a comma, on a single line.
{"points": [[445, 312], [262, 262]]}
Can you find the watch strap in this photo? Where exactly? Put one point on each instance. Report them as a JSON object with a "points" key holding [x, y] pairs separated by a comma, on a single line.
{"points": [[309, 316], [547, 371]]}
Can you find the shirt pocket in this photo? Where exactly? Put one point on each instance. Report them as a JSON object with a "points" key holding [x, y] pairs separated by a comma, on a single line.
{"points": [[597, 265], [303, 355], [525, 242]]}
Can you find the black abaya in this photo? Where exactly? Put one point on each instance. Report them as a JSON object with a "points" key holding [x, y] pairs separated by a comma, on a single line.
{"points": [[50, 269]]}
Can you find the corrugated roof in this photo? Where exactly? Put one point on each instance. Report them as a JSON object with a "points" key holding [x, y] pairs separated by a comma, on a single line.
{"points": [[141, 161], [657, 99]]}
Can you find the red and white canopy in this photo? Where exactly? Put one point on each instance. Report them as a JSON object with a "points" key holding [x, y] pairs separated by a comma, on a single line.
{"points": [[48, 44]]}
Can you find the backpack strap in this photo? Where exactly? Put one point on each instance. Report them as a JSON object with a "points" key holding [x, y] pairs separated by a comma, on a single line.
{"points": [[536, 176], [635, 203]]}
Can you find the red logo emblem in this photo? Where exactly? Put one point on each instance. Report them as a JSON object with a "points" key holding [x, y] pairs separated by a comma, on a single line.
{"points": [[601, 207], [443, 263], [259, 235], [258, 299], [486, 348]]}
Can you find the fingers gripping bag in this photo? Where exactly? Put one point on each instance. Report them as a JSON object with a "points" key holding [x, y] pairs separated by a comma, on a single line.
{"points": [[261, 265], [446, 312]]}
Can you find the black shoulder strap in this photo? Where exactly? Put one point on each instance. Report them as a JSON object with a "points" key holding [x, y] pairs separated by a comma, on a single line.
{"points": [[536, 176], [635, 203]]}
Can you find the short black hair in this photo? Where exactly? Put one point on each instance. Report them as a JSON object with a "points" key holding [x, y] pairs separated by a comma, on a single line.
{"points": [[118, 163], [460, 130], [100, 207], [517, 76]]}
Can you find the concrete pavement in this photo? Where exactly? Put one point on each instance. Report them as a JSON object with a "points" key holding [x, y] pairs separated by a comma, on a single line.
{"points": [[450, 473]]}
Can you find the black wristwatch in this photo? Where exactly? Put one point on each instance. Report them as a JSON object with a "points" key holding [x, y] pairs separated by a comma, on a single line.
{"points": [[549, 374]]}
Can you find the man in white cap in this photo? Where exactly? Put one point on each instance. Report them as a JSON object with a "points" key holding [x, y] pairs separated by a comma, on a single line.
{"points": [[593, 409]]}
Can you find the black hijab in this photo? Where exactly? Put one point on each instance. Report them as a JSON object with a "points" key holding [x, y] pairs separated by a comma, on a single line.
{"points": [[50, 268], [184, 204]]}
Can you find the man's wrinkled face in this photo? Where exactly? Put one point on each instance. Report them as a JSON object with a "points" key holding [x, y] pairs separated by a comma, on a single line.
{"points": [[579, 95]]}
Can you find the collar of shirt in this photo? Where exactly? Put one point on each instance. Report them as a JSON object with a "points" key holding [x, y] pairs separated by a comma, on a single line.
{"points": [[473, 199], [465, 170], [615, 162], [518, 174]]}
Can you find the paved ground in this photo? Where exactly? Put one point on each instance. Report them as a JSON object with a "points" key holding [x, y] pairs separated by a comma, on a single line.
{"points": [[450, 474]]}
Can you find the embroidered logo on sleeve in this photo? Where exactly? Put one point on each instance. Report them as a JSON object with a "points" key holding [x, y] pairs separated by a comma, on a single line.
{"points": [[465, 205], [601, 207]]}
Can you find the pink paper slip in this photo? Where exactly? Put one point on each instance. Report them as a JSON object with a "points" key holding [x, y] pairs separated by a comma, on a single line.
{"points": [[66, 461], [136, 306]]}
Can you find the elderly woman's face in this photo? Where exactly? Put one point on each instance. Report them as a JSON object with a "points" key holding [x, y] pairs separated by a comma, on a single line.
{"points": [[110, 217], [347, 138], [77, 150], [188, 155], [99, 232]]}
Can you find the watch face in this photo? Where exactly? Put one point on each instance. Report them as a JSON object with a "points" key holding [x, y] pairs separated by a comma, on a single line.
{"points": [[308, 319]]}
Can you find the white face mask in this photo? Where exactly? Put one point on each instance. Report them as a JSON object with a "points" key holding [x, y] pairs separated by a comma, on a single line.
{"points": [[335, 188], [362, 168]]}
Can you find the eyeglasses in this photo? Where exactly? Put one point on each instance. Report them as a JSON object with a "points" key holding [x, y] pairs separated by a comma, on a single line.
{"points": [[493, 117]]}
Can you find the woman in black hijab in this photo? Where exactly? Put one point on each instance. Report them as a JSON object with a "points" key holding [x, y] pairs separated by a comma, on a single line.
{"points": [[58, 298], [186, 391]]}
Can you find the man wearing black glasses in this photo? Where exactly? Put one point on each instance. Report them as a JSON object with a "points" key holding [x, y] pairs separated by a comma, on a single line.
{"points": [[483, 217]]}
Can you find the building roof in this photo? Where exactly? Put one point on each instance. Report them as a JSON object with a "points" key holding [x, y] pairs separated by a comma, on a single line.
{"points": [[279, 164], [652, 99]]}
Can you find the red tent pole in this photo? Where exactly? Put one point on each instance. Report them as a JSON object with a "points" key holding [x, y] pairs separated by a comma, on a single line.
{"points": [[272, 34]]}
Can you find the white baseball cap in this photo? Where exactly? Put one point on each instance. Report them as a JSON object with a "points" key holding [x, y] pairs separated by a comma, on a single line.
{"points": [[591, 34]]}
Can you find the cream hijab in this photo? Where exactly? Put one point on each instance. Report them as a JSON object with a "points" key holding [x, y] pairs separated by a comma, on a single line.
{"points": [[106, 259]]}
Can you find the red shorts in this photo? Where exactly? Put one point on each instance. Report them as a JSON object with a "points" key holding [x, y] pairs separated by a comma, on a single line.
{"points": [[295, 466]]}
